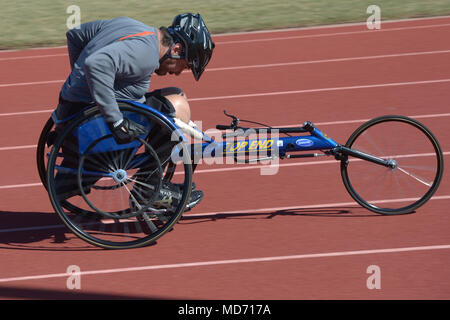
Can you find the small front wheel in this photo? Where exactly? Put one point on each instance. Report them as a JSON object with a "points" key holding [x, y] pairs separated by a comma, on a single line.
{"points": [[415, 173]]}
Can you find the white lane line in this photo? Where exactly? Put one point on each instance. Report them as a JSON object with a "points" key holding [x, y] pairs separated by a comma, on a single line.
{"points": [[286, 64], [327, 26], [313, 206], [328, 123], [380, 85], [31, 146], [297, 29], [281, 64], [249, 167], [234, 168], [275, 93], [23, 113], [245, 211], [34, 57], [295, 164], [6, 85], [423, 116], [269, 94], [294, 29], [333, 34], [43, 48], [23, 185], [212, 131], [198, 171], [232, 261]]}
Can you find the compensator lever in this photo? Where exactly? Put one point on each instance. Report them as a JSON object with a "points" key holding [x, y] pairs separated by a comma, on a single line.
{"points": [[235, 120]]}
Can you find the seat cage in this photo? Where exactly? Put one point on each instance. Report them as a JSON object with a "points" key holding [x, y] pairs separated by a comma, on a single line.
{"points": [[96, 128]]}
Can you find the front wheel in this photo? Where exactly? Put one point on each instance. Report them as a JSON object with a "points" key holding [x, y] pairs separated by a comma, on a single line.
{"points": [[406, 185]]}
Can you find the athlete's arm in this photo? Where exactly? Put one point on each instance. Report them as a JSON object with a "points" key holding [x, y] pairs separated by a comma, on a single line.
{"points": [[131, 62]]}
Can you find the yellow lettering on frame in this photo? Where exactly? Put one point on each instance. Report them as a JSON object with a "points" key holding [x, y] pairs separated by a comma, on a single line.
{"points": [[235, 147], [268, 144], [243, 145], [253, 145]]}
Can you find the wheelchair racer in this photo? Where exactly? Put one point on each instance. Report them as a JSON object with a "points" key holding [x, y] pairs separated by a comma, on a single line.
{"points": [[114, 59]]}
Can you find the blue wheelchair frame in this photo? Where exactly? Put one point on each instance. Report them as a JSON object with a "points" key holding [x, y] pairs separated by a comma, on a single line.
{"points": [[278, 146], [97, 131]]}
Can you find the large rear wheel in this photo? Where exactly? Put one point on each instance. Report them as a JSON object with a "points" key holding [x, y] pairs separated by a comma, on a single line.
{"points": [[113, 186]]}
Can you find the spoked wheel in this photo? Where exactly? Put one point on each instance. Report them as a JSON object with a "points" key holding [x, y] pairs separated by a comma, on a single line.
{"points": [[116, 188], [415, 174]]}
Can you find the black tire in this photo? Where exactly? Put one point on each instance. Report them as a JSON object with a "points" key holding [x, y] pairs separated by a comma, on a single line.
{"points": [[110, 229], [416, 184], [40, 151]]}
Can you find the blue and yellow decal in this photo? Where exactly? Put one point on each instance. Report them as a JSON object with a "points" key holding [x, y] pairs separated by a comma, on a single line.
{"points": [[248, 146]]}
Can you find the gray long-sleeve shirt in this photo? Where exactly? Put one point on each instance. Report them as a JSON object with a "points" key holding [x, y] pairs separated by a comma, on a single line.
{"points": [[110, 60]]}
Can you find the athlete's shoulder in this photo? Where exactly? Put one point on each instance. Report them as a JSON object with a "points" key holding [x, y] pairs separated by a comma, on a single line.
{"points": [[128, 21]]}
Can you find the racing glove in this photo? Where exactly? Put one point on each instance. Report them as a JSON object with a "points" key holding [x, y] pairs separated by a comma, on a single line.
{"points": [[125, 130]]}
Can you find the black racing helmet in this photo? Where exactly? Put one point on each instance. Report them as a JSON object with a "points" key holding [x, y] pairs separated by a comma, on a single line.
{"points": [[190, 30]]}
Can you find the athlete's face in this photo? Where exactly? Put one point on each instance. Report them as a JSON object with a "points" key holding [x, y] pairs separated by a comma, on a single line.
{"points": [[173, 66]]}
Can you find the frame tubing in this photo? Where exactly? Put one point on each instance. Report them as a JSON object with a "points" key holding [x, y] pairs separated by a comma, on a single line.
{"points": [[363, 156]]}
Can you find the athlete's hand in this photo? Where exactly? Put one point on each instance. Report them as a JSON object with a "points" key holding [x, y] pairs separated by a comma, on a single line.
{"points": [[126, 130]]}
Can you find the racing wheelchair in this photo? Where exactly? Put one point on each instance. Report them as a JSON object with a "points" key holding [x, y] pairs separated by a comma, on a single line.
{"points": [[389, 165]]}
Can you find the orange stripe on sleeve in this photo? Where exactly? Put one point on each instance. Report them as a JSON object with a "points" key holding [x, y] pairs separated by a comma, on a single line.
{"points": [[140, 34]]}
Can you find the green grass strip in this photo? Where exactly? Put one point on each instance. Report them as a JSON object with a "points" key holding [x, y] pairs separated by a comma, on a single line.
{"points": [[29, 23]]}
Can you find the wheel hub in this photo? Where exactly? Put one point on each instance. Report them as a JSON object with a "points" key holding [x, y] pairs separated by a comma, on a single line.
{"points": [[119, 175], [392, 164]]}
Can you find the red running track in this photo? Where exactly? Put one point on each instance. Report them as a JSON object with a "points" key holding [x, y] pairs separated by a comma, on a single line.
{"points": [[293, 235]]}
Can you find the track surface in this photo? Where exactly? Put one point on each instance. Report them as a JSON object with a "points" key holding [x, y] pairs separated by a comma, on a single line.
{"points": [[293, 235]]}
